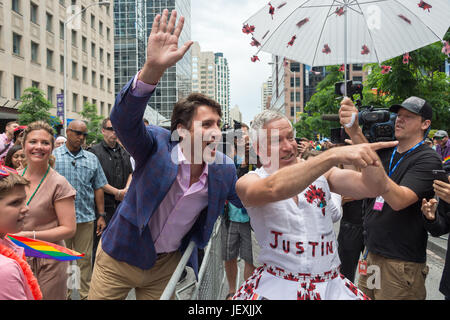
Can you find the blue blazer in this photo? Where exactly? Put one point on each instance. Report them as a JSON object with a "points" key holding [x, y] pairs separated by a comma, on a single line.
{"points": [[127, 237]]}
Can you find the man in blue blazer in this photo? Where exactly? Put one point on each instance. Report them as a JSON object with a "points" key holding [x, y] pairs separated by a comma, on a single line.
{"points": [[178, 188]]}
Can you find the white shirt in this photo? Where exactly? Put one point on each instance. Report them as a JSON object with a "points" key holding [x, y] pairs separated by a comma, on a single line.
{"points": [[297, 238]]}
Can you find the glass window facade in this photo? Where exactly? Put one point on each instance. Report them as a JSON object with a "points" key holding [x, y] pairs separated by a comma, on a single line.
{"points": [[176, 81], [133, 20], [129, 40]]}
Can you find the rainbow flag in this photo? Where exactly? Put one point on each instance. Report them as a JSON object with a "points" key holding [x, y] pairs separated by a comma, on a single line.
{"points": [[446, 160], [44, 249]]}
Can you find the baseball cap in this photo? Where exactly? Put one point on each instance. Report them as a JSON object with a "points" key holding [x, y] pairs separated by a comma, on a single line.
{"points": [[415, 105], [440, 134]]}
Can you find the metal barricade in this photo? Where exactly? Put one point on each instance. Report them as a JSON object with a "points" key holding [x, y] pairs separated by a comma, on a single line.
{"points": [[211, 276]]}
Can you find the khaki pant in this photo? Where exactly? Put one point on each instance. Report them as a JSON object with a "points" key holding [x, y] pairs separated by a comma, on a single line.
{"points": [[113, 279], [82, 242], [392, 279]]}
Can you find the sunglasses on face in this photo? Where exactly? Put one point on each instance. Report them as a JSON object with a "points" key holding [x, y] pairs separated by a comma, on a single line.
{"points": [[109, 128], [79, 133]]}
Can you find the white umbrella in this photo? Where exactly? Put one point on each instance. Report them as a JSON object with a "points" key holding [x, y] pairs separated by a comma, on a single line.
{"points": [[331, 32]]}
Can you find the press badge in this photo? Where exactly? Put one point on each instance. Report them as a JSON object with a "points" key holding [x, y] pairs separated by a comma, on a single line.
{"points": [[362, 267], [379, 203]]}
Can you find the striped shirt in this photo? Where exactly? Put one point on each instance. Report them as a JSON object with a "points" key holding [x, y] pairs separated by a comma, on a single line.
{"points": [[85, 174]]}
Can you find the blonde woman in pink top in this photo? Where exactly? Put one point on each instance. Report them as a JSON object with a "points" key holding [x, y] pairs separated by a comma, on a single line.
{"points": [[51, 203]]}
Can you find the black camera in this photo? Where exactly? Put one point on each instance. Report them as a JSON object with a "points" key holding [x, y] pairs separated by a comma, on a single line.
{"points": [[352, 89], [378, 124]]}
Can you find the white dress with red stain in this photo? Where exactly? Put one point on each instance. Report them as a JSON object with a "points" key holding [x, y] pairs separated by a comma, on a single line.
{"points": [[298, 253]]}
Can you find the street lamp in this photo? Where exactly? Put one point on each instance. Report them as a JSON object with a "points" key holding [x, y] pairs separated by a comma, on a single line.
{"points": [[101, 3]]}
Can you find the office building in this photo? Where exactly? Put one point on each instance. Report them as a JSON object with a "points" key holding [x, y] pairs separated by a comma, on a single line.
{"points": [[130, 40], [294, 83], [211, 77], [235, 114], [32, 54], [266, 94], [223, 86], [176, 81]]}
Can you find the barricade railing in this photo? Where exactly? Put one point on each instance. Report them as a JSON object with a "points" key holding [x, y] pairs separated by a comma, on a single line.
{"points": [[211, 276], [171, 286]]}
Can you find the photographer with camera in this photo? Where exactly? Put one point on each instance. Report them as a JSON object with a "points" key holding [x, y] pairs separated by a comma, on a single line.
{"points": [[395, 236]]}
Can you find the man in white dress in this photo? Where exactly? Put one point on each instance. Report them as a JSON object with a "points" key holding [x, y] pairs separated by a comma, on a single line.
{"points": [[288, 202]]}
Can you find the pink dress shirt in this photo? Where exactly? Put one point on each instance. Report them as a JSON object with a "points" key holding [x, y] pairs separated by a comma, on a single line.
{"points": [[180, 208]]}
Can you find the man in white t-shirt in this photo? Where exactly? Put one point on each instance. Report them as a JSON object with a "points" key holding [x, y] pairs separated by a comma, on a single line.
{"points": [[288, 202]]}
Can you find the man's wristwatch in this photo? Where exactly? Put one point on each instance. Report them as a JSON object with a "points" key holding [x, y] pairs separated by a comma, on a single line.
{"points": [[102, 214]]}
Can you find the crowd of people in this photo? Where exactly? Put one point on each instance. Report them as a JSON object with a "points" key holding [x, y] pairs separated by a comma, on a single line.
{"points": [[133, 202]]}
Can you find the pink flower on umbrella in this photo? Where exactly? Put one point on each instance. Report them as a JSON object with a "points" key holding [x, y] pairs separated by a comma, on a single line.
{"points": [[255, 43], [404, 18], [424, 6], [291, 43], [446, 48], [271, 10], [254, 58], [406, 58], [302, 22], [326, 49], [339, 11], [248, 29], [386, 69], [365, 50], [281, 5]]}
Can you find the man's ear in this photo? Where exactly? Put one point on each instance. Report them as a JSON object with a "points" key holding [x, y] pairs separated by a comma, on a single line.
{"points": [[426, 124]]}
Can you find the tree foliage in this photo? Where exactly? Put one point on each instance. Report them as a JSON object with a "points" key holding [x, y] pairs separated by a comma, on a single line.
{"points": [[93, 123], [35, 107], [322, 102]]}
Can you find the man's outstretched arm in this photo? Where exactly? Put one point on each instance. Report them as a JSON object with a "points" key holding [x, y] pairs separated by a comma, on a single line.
{"points": [[291, 180]]}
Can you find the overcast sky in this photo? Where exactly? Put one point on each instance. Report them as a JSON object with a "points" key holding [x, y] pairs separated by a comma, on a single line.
{"points": [[217, 26]]}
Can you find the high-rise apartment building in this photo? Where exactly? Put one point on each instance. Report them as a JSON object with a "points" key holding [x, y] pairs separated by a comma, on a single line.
{"points": [[176, 81], [32, 54], [294, 83], [223, 85], [129, 40], [211, 77], [266, 94], [203, 71], [235, 114]]}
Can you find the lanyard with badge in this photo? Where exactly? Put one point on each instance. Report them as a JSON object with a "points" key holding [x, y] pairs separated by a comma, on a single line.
{"points": [[379, 201]]}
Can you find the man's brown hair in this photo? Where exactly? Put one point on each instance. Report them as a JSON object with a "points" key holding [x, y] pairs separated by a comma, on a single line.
{"points": [[184, 109]]}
